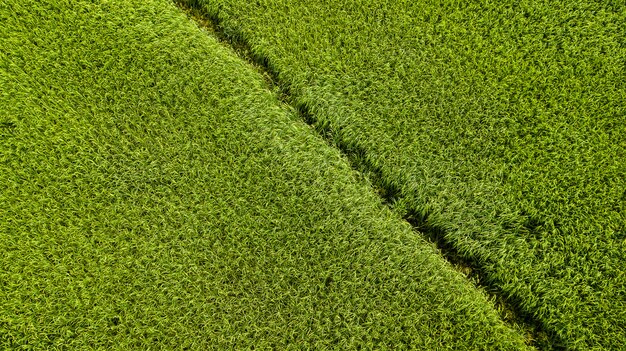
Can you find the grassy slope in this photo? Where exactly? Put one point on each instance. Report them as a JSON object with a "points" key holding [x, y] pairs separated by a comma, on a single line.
{"points": [[503, 123], [156, 195]]}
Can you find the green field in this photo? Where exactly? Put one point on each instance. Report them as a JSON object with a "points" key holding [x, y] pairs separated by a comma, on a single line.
{"points": [[156, 194], [500, 124]]}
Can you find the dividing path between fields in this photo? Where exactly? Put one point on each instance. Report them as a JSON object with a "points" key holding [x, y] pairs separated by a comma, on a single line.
{"points": [[500, 127], [155, 194]]}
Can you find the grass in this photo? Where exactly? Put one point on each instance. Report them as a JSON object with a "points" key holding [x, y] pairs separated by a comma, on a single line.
{"points": [[501, 124], [156, 194]]}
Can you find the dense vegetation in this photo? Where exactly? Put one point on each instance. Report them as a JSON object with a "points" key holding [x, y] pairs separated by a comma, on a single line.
{"points": [[155, 194], [502, 123]]}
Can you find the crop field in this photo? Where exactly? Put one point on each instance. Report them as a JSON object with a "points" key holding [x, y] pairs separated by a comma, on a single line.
{"points": [[156, 194], [281, 176], [501, 125]]}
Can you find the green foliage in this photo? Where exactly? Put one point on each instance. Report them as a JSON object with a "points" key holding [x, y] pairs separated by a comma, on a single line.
{"points": [[155, 194], [502, 123]]}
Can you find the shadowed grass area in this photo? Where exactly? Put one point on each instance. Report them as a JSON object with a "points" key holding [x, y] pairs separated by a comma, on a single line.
{"points": [[156, 195], [502, 124]]}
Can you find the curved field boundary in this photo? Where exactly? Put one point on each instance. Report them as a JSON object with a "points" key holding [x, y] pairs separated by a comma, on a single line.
{"points": [[156, 194], [500, 126]]}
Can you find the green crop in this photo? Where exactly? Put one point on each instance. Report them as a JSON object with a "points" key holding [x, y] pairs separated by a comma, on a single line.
{"points": [[156, 194], [501, 124]]}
